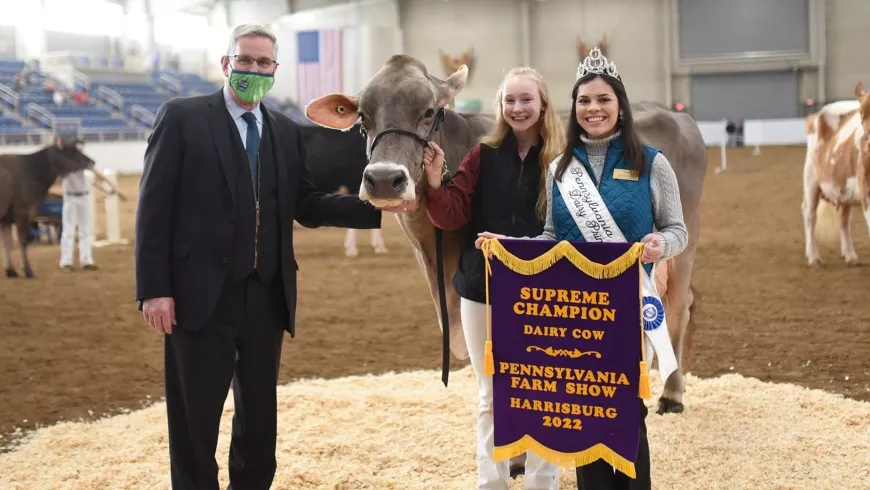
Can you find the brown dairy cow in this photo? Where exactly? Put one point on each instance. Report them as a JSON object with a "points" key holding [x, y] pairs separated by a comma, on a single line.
{"points": [[402, 105], [837, 169], [24, 184]]}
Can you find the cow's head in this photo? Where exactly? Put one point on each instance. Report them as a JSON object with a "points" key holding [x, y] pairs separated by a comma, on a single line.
{"points": [[400, 109], [66, 156]]}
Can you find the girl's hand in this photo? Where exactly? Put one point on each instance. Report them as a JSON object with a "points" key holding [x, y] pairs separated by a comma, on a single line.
{"points": [[433, 162]]}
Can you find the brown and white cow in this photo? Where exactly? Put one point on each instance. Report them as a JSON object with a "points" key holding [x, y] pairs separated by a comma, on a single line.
{"points": [[837, 169], [399, 107]]}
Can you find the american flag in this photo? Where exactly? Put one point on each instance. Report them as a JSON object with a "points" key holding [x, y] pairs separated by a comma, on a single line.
{"points": [[318, 69]]}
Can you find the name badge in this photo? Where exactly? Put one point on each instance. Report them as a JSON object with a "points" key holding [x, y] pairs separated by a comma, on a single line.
{"points": [[623, 174]]}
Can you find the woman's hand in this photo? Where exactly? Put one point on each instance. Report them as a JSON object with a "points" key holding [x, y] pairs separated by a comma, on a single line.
{"points": [[483, 236], [652, 248], [433, 162]]}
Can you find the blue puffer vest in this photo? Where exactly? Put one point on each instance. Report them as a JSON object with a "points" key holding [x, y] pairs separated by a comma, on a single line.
{"points": [[629, 201]]}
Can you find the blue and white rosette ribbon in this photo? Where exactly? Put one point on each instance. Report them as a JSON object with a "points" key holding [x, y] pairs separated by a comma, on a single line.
{"points": [[658, 340], [653, 313]]}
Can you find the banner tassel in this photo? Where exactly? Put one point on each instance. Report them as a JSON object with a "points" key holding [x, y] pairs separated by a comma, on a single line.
{"points": [[488, 362], [644, 390]]}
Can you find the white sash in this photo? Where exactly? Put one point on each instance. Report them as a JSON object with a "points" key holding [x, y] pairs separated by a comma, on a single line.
{"points": [[597, 225]]}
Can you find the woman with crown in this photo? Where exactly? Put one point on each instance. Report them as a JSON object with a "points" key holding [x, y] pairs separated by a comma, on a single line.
{"points": [[628, 189]]}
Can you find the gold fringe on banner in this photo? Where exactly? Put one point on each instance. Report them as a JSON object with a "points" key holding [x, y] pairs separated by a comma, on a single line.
{"points": [[582, 458], [563, 249]]}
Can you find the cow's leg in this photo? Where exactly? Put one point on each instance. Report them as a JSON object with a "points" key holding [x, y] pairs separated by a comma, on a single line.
{"points": [[810, 204], [847, 249], [350, 249], [22, 227], [6, 235], [678, 299], [866, 209], [378, 241]]}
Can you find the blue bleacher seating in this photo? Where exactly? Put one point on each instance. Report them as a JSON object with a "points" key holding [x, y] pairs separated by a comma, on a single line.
{"points": [[98, 117]]}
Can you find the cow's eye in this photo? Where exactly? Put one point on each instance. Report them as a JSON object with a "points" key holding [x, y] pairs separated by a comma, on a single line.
{"points": [[429, 113]]}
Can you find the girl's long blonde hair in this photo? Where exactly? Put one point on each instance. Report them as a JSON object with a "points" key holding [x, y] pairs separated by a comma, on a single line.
{"points": [[549, 129]]}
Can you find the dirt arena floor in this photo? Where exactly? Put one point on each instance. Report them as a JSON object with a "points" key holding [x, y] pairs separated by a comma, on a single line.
{"points": [[74, 345]]}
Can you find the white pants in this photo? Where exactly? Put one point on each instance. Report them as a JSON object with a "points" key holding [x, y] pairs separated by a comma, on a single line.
{"points": [[492, 475], [76, 214]]}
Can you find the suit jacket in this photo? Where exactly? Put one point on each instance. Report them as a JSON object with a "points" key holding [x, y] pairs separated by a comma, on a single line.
{"points": [[187, 203]]}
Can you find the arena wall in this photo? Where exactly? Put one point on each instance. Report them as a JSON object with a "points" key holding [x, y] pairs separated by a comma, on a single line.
{"points": [[554, 29], [122, 157], [643, 36], [848, 36]]}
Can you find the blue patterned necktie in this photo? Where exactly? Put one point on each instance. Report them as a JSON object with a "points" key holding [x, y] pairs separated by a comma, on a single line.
{"points": [[252, 145]]}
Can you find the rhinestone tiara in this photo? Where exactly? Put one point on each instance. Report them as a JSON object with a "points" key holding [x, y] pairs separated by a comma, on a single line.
{"points": [[597, 63]]}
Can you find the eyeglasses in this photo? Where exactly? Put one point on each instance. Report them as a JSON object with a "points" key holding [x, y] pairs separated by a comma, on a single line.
{"points": [[244, 61]]}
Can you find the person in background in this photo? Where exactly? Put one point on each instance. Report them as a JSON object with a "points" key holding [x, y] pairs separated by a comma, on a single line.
{"points": [[57, 97], [498, 186], [76, 215]]}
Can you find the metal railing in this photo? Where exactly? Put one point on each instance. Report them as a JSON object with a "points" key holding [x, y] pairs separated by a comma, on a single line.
{"points": [[80, 78], [170, 82], [140, 113], [58, 125], [35, 136], [32, 136], [119, 134], [10, 96], [111, 97]]}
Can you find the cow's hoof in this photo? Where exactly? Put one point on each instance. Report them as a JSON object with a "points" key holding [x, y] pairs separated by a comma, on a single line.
{"points": [[853, 262], [351, 252], [28, 273], [666, 405], [10, 272], [815, 262], [381, 250]]}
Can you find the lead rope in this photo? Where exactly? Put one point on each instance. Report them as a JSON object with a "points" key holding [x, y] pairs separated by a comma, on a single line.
{"points": [[442, 290]]}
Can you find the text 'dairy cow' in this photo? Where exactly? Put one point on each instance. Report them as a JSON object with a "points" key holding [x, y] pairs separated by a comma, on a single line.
{"points": [[837, 170], [403, 106]]}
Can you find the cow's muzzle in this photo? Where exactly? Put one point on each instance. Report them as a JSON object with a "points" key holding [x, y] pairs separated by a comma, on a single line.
{"points": [[386, 181]]}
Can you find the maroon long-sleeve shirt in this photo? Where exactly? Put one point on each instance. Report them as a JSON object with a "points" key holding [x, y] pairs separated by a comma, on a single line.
{"points": [[449, 206]]}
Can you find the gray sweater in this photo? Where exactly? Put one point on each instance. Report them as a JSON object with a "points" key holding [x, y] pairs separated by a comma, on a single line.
{"points": [[667, 209]]}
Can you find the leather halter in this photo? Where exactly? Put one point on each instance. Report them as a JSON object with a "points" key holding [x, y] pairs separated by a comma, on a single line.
{"points": [[439, 118]]}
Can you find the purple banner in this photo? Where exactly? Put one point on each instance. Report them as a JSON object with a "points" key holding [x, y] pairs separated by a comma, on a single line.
{"points": [[566, 340]]}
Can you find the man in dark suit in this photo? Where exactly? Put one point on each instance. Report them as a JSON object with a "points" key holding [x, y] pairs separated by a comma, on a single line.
{"points": [[224, 179]]}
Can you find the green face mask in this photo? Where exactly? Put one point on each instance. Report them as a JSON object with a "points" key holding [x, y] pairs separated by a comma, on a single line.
{"points": [[251, 86]]}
